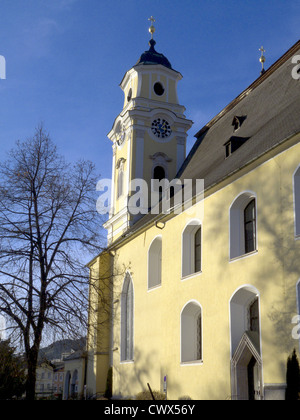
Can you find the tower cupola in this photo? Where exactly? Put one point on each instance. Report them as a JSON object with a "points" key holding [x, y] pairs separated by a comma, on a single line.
{"points": [[153, 57]]}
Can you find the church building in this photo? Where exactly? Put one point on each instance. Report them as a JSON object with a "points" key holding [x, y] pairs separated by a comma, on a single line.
{"points": [[199, 297]]}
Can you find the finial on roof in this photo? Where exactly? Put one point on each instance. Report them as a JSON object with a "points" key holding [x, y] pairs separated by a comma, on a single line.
{"points": [[152, 56], [152, 28], [262, 60]]}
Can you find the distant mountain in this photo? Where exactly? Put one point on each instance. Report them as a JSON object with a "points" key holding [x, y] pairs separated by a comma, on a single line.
{"points": [[55, 350]]}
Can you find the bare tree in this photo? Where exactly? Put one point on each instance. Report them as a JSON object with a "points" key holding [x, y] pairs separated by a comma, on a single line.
{"points": [[48, 228]]}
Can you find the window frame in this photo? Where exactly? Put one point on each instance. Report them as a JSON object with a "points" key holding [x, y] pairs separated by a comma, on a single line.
{"points": [[197, 246], [296, 198], [254, 315], [237, 246], [189, 318], [188, 266], [155, 259], [127, 321], [252, 223]]}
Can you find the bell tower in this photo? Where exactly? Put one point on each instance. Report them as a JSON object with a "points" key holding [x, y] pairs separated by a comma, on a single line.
{"points": [[148, 136]]}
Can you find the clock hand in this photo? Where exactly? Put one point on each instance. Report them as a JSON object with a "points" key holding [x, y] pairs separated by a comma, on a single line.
{"points": [[160, 127]]}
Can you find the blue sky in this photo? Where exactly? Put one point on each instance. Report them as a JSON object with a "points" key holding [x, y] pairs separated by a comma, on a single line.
{"points": [[66, 58]]}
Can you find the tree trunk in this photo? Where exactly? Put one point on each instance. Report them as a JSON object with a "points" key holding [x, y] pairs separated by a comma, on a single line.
{"points": [[31, 376]]}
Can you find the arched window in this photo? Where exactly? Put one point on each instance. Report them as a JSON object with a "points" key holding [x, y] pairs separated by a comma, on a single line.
{"points": [[120, 178], [160, 165], [159, 173], [253, 315], [192, 248], [74, 382], [250, 227], [197, 250], [191, 333], [243, 226], [244, 314], [158, 187], [154, 263], [67, 385], [120, 182], [245, 344], [297, 201], [127, 319]]}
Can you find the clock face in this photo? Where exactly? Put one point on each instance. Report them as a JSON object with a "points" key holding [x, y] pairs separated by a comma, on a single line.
{"points": [[161, 128]]}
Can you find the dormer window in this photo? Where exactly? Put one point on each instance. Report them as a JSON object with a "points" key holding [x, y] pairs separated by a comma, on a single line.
{"points": [[227, 149], [233, 144], [238, 121]]}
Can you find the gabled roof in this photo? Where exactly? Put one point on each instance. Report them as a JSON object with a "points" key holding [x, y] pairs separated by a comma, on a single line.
{"points": [[270, 110], [250, 342], [269, 114]]}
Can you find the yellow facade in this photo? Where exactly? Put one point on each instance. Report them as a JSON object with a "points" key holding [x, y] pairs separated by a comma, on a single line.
{"points": [[229, 282], [157, 331], [98, 340]]}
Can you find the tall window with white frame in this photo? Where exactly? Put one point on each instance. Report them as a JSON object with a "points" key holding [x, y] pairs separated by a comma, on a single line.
{"points": [[192, 248], [127, 304], [155, 263], [191, 333], [297, 201], [243, 225]]}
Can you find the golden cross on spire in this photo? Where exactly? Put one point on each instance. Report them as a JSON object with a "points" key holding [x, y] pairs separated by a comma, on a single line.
{"points": [[262, 58], [152, 28], [262, 50]]}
